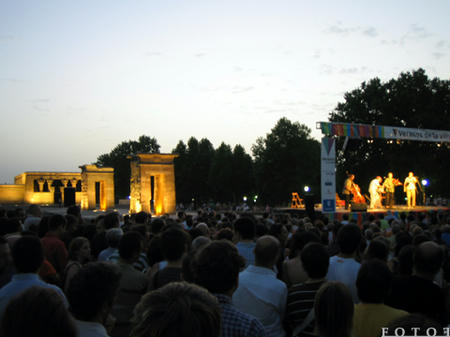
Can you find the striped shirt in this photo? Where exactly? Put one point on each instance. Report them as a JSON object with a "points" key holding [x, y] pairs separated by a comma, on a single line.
{"points": [[300, 302]]}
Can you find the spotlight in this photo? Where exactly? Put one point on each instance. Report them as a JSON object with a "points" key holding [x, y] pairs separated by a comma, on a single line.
{"points": [[306, 188], [425, 182]]}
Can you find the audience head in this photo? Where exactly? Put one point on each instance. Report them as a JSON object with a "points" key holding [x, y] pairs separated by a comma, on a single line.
{"points": [[374, 281], [157, 225], [34, 210], [300, 240], [216, 267], [267, 250], [428, 258], [130, 246], [27, 254], [37, 312], [333, 310], [349, 239], [177, 309], [75, 211], [56, 223], [113, 237], [92, 291], [315, 260], [406, 260], [199, 242], [225, 233], [5, 254], [245, 227], [80, 249], [111, 220], [378, 249], [174, 243], [141, 218]]}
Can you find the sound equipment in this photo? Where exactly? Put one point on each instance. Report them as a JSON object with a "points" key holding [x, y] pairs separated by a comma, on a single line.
{"points": [[69, 196], [358, 207]]}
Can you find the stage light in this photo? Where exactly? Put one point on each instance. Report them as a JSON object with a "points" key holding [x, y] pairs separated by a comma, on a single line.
{"points": [[425, 182], [244, 198], [306, 188], [129, 197]]}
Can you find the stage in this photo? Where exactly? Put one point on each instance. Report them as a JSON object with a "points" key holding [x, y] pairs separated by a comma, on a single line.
{"points": [[361, 216]]}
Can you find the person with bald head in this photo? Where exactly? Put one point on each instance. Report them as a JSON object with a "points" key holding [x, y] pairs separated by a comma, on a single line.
{"points": [[418, 293], [260, 293]]}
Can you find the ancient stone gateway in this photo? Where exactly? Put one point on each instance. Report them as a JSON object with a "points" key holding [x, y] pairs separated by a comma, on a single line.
{"points": [[152, 183], [92, 188]]}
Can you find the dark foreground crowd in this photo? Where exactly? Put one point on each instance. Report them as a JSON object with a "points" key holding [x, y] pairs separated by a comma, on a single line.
{"points": [[228, 275]]}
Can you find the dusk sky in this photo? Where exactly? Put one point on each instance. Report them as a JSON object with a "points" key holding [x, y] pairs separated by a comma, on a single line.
{"points": [[79, 77]]}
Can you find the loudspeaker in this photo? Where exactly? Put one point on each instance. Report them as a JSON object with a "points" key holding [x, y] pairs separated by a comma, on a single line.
{"points": [[69, 196], [359, 207]]}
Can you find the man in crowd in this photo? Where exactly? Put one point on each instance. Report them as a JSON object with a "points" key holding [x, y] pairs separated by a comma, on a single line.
{"points": [[260, 293], [300, 300], [28, 255], [54, 249], [245, 229], [418, 293], [216, 268], [374, 284], [343, 267], [348, 189]]}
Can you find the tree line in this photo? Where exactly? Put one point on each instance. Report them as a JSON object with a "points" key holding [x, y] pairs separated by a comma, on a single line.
{"points": [[288, 158]]}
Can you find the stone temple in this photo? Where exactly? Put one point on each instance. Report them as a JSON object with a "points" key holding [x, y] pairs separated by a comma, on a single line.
{"points": [[152, 186]]}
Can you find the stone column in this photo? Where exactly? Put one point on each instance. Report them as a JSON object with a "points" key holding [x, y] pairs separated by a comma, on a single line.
{"points": [[41, 182]]}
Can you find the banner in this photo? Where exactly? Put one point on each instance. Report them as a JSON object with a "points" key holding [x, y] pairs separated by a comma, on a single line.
{"points": [[328, 175], [380, 131]]}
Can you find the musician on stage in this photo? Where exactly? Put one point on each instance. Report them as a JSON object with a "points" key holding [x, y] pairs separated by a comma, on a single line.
{"points": [[389, 187], [349, 186], [410, 188], [375, 190]]}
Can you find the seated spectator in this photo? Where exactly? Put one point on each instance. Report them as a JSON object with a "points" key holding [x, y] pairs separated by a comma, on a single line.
{"points": [[28, 255], [6, 265], [113, 237], [374, 284], [333, 310], [79, 254], [216, 268], [300, 300], [33, 218], [37, 312], [54, 249], [98, 243], [343, 267], [244, 229], [174, 244], [293, 271], [91, 295], [133, 283], [260, 293], [418, 293], [177, 309]]}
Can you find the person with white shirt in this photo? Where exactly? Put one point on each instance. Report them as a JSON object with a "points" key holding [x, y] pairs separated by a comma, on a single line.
{"points": [[343, 267], [245, 230], [260, 293]]}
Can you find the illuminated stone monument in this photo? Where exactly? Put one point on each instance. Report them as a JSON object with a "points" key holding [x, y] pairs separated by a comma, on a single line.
{"points": [[152, 183], [92, 188]]}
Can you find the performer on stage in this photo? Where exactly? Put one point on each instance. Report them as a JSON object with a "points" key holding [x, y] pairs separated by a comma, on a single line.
{"points": [[410, 188], [375, 190], [389, 187], [349, 186]]}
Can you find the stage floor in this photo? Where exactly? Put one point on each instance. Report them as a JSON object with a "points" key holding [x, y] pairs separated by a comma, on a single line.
{"points": [[395, 209]]}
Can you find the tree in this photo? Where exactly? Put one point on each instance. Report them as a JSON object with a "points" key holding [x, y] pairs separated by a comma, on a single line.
{"points": [[413, 101], [243, 178], [221, 174], [285, 160], [117, 159]]}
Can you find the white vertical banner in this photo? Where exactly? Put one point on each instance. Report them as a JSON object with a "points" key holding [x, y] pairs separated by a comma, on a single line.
{"points": [[328, 174]]}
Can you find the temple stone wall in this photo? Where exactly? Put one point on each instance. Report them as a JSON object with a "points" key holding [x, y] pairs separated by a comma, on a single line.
{"points": [[158, 168], [11, 194], [92, 175], [43, 187]]}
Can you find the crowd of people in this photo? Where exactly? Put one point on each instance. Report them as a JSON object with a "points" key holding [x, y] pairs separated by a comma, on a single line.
{"points": [[222, 274]]}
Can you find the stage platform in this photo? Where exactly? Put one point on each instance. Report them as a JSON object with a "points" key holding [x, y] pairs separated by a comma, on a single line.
{"points": [[361, 216]]}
